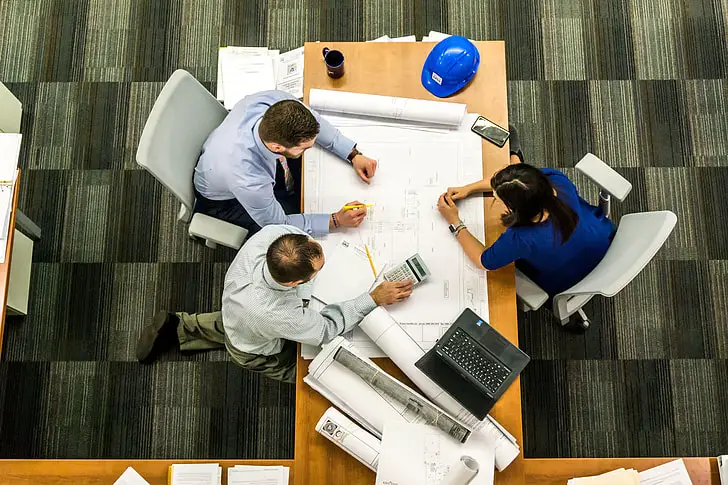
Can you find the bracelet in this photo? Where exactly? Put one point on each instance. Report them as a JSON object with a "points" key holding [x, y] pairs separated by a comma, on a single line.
{"points": [[459, 228], [336, 223]]}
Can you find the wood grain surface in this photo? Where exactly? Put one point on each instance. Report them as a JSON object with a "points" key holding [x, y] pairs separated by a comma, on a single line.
{"points": [[5, 266]]}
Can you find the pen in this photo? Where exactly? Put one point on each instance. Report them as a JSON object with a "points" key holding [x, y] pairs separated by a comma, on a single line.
{"points": [[357, 206], [369, 255]]}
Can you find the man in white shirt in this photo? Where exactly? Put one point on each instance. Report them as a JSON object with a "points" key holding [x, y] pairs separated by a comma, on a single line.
{"points": [[263, 308]]}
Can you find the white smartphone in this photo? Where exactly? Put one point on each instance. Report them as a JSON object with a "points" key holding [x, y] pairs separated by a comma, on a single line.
{"points": [[495, 134]]}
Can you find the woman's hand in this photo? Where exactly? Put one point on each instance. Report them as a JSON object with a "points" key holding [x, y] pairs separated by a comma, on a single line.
{"points": [[448, 209], [457, 193]]}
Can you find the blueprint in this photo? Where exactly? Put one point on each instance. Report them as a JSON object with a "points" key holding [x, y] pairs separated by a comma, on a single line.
{"points": [[350, 437], [415, 165], [416, 454]]}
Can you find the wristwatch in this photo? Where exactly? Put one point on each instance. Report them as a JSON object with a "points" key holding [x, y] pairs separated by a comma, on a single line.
{"points": [[457, 227], [354, 152]]}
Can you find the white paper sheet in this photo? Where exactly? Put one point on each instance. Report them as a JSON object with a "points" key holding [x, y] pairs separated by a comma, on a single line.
{"points": [[671, 473], [422, 455], [196, 474], [131, 477], [414, 168], [289, 72], [9, 153], [258, 475], [614, 477], [387, 335], [239, 51], [346, 274], [406, 38], [723, 469], [404, 109], [384, 38], [350, 437]]}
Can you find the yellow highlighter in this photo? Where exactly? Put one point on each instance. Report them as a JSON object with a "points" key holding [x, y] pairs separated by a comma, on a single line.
{"points": [[357, 206], [371, 262]]}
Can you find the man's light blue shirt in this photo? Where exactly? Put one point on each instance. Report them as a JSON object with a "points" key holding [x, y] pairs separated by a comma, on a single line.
{"points": [[235, 164]]}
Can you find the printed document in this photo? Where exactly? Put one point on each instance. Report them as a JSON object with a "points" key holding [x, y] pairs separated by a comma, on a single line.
{"points": [[671, 473], [415, 454], [195, 474], [289, 72], [420, 152], [258, 475]]}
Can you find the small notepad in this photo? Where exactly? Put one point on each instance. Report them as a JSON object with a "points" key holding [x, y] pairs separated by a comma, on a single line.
{"points": [[346, 274]]}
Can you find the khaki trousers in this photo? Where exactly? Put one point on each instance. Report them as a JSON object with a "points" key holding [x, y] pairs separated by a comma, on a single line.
{"points": [[204, 331]]}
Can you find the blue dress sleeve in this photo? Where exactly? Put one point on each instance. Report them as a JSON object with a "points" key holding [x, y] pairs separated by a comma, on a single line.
{"points": [[509, 247]]}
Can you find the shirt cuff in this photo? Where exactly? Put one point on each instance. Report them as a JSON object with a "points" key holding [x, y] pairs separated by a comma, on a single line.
{"points": [[364, 304], [320, 224], [343, 147]]}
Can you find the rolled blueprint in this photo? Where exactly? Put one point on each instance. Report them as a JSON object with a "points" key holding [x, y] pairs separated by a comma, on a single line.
{"points": [[383, 383], [399, 346], [350, 437], [355, 396], [461, 472], [407, 109]]}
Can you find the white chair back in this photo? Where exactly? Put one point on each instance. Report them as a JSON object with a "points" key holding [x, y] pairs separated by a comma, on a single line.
{"points": [[182, 118], [639, 237]]}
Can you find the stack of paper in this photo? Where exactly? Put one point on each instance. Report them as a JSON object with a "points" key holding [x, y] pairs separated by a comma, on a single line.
{"points": [[671, 473], [195, 474], [615, 477], [386, 38], [242, 71], [435, 36], [9, 153], [723, 469], [258, 475], [130, 477]]}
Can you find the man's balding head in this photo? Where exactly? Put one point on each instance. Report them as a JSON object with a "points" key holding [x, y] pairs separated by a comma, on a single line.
{"points": [[294, 258]]}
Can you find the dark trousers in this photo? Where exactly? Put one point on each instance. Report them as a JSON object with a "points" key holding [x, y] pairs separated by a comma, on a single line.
{"points": [[230, 210]]}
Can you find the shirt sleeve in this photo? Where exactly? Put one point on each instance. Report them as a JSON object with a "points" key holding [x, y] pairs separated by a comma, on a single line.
{"points": [[508, 248], [331, 138], [318, 328], [265, 210]]}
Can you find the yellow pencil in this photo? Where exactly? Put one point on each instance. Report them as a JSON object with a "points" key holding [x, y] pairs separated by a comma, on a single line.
{"points": [[357, 206], [369, 255]]}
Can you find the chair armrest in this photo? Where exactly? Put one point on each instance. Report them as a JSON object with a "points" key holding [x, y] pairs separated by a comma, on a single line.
{"points": [[217, 231], [604, 176], [529, 292]]}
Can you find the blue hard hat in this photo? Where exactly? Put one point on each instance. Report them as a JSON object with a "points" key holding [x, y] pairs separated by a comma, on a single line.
{"points": [[451, 65]]}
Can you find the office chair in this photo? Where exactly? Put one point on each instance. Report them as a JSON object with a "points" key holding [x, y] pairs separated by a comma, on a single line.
{"points": [[639, 236], [182, 118]]}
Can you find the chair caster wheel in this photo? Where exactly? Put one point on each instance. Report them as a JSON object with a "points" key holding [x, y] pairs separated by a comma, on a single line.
{"points": [[578, 325]]}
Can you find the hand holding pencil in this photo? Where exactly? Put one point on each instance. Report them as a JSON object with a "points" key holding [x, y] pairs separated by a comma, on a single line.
{"points": [[349, 217]]}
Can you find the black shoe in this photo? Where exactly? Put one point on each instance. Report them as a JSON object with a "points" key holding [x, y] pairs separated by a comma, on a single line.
{"points": [[158, 338], [515, 143]]}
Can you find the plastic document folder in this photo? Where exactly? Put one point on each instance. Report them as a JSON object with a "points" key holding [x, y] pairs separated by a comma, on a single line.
{"points": [[346, 274]]}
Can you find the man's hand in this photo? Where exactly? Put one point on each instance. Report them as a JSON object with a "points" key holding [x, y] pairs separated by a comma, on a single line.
{"points": [[457, 193], [365, 167], [448, 209], [389, 292], [351, 217]]}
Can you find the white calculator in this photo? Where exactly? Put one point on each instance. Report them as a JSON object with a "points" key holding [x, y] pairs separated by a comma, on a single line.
{"points": [[413, 269]]}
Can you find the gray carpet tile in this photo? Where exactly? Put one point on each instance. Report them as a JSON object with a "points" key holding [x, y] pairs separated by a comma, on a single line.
{"points": [[640, 83]]}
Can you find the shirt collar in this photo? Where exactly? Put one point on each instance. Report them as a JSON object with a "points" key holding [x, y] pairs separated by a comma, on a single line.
{"points": [[262, 149], [271, 282]]}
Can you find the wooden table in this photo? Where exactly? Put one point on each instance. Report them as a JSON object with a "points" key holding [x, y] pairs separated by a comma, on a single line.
{"points": [[393, 69], [5, 266], [377, 68]]}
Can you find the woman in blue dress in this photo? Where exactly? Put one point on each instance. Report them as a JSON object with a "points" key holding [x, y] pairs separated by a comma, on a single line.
{"points": [[553, 235]]}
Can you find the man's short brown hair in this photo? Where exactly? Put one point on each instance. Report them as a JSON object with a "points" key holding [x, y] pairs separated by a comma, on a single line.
{"points": [[290, 258], [288, 123]]}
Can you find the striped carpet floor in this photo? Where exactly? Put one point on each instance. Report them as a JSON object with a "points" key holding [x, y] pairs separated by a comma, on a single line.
{"points": [[641, 83]]}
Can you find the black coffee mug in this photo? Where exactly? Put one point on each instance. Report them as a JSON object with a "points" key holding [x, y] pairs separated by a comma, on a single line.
{"points": [[334, 62]]}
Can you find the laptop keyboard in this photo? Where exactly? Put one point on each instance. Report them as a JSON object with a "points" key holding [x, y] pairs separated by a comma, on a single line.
{"points": [[475, 360]]}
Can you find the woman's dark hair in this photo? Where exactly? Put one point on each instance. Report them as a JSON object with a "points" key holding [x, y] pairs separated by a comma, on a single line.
{"points": [[527, 193], [291, 257]]}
